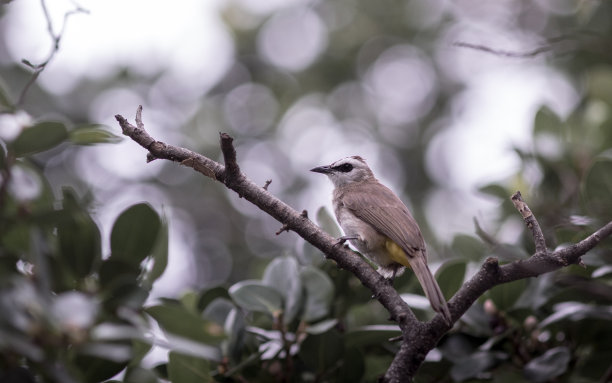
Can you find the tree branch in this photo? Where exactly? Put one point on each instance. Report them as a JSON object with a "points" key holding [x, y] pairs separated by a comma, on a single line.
{"points": [[56, 38], [418, 338]]}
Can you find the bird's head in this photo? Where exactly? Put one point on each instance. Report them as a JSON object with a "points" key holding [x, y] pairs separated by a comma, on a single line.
{"points": [[346, 171]]}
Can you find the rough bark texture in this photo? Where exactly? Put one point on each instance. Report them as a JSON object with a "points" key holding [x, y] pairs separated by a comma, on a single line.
{"points": [[418, 338]]}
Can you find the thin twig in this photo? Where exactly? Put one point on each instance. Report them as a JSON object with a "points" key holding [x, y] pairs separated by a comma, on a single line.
{"points": [[531, 222], [499, 52], [56, 38]]}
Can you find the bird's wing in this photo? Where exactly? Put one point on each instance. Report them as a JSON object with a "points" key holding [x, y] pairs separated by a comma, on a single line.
{"points": [[377, 205]]}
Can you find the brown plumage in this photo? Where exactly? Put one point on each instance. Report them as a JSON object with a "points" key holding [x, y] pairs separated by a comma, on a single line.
{"points": [[380, 226]]}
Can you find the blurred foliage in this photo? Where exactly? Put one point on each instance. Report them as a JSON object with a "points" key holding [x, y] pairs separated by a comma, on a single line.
{"points": [[76, 304]]}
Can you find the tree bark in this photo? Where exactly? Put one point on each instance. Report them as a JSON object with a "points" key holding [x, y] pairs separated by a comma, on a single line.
{"points": [[418, 338]]}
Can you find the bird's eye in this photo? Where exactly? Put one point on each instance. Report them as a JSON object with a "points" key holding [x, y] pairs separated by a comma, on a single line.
{"points": [[345, 168]]}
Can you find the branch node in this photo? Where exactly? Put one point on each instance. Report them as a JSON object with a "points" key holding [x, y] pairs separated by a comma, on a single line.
{"points": [[304, 214], [285, 227], [491, 265], [531, 222], [232, 170], [268, 182], [139, 122], [150, 157]]}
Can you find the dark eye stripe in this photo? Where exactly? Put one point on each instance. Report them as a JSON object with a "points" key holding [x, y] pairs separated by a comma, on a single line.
{"points": [[344, 168]]}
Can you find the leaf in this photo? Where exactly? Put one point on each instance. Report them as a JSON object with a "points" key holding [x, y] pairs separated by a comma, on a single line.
{"points": [[321, 327], [188, 369], [577, 311], [328, 223], [282, 274], [159, 256], [79, 238], [596, 187], [551, 364], [468, 247], [319, 293], [450, 277], [495, 190], [472, 365], [178, 320], [321, 352], [210, 295], [546, 121], [505, 295], [90, 134], [38, 138], [256, 296], [6, 103], [134, 234], [371, 335], [353, 366]]}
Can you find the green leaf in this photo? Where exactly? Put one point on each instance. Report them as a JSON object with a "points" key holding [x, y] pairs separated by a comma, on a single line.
{"points": [[90, 134], [450, 277], [159, 256], [178, 320], [495, 190], [597, 186], [321, 327], [134, 234], [551, 364], [256, 296], [546, 121], [38, 138], [353, 366], [95, 369], [79, 240], [371, 335], [472, 365], [282, 274], [208, 296], [321, 352], [188, 369], [328, 223], [505, 295], [6, 103], [319, 293]]}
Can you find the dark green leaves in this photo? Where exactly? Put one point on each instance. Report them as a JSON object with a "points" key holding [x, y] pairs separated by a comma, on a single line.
{"points": [[319, 293], [188, 369], [92, 134], [551, 364], [255, 296], [79, 238], [134, 234], [597, 187], [39, 137], [282, 274], [450, 277]]}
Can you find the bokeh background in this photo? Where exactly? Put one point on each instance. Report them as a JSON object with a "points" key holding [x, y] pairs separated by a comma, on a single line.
{"points": [[454, 104], [299, 84]]}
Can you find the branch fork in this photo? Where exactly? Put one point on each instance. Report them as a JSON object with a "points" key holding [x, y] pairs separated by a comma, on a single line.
{"points": [[418, 338]]}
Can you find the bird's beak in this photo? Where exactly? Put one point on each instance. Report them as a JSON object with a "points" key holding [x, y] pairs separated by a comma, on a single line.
{"points": [[322, 169]]}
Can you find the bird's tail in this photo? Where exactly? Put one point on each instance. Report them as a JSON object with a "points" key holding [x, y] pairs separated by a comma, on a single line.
{"points": [[430, 286]]}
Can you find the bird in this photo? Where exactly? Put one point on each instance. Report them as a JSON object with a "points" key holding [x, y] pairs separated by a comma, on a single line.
{"points": [[379, 225]]}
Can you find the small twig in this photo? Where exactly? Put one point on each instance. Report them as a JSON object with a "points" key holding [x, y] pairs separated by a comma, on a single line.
{"points": [[531, 222], [285, 227], [268, 182], [504, 53], [486, 237], [56, 38], [232, 170]]}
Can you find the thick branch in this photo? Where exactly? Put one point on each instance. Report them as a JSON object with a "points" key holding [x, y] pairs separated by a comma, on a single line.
{"points": [[418, 338], [289, 217]]}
